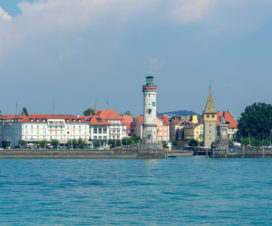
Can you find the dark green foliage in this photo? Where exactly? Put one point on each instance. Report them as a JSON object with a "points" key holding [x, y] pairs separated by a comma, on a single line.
{"points": [[54, 143], [252, 141], [175, 143], [25, 111], [201, 143], [127, 113], [164, 144], [22, 143], [76, 144], [88, 112], [42, 143], [136, 140], [127, 141], [114, 143], [96, 144], [256, 121], [192, 142]]}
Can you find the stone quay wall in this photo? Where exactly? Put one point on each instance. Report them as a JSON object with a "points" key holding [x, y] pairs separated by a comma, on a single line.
{"points": [[243, 153], [148, 151]]}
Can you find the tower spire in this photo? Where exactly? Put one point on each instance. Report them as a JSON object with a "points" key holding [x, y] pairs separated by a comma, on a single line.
{"points": [[210, 105]]}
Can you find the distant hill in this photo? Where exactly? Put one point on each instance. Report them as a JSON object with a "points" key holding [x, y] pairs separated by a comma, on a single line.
{"points": [[179, 113]]}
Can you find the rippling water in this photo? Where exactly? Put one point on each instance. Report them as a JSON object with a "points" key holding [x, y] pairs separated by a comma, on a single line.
{"points": [[145, 192]]}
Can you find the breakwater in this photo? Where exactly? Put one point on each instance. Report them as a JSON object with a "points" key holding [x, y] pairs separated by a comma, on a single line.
{"points": [[148, 151], [242, 153]]}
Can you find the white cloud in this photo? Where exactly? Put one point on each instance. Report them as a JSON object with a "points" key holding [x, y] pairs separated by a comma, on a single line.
{"points": [[4, 15], [191, 10], [69, 16]]}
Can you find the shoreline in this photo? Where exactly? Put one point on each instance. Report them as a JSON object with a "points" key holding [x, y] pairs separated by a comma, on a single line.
{"points": [[84, 154]]}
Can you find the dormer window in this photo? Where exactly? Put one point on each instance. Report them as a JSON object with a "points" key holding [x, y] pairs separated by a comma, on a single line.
{"points": [[99, 120], [31, 120]]}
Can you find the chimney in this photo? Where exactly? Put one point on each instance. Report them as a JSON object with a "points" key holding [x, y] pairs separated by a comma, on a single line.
{"points": [[95, 110]]}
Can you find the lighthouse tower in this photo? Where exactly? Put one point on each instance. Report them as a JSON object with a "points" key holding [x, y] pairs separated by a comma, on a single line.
{"points": [[150, 115]]}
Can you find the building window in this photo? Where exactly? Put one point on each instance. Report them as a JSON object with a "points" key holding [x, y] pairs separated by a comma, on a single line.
{"points": [[95, 129], [100, 130]]}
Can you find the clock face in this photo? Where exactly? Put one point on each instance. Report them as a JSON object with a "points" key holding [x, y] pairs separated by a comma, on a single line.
{"points": [[153, 104]]}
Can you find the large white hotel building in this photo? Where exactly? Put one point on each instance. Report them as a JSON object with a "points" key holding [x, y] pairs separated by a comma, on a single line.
{"points": [[105, 125]]}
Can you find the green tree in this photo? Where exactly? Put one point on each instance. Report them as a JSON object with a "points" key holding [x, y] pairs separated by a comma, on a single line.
{"points": [[127, 113], [81, 143], [136, 139], [164, 143], [114, 143], [88, 112], [96, 144], [175, 143], [127, 141], [25, 111], [22, 143], [55, 143], [256, 121], [192, 142], [43, 143]]}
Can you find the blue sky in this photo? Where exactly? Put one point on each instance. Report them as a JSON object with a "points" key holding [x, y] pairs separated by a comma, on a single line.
{"points": [[77, 53]]}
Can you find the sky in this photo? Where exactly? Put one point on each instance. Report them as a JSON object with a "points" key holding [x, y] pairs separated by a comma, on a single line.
{"points": [[64, 56]]}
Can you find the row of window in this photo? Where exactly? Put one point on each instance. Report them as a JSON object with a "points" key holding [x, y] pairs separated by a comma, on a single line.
{"points": [[100, 130], [100, 138], [53, 137], [56, 127], [55, 132]]}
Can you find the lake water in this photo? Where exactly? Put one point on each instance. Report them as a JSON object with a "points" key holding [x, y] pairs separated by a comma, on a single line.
{"points": [[181, 191]]}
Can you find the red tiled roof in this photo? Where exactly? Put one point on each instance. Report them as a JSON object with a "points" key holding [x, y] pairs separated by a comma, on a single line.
{"points": [[96, 120], [109, 115], [229, 118], [164, 119], [141, 119], [177, 121]]}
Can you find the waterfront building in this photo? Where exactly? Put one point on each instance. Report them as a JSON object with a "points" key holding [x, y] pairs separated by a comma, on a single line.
{"points": [[177, 129], [231, 121], [210, 119], [194, 131], [150, 111], [117, 127], [162, 128], [106, 125], [42, 127], [163, 125], [127, 120]]}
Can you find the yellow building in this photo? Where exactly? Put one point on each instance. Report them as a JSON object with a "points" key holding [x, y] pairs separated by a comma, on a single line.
{"points": [[194, 131]]}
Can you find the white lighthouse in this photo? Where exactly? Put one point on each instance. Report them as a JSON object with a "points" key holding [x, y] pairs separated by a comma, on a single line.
{"points": [[150, 113]]}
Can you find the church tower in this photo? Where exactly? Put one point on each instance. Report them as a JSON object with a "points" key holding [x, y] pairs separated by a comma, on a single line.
{"points": [[210, 118], [150, 111]]}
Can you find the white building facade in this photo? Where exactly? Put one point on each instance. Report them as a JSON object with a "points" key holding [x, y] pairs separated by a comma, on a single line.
{"points": [[42, 127]]}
